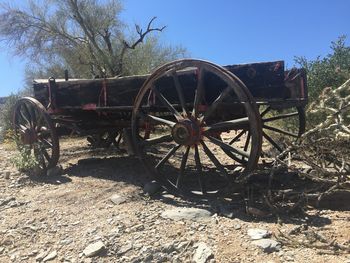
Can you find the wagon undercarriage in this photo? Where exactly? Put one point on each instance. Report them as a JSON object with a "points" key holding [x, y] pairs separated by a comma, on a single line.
{"points": [[196, 126]]}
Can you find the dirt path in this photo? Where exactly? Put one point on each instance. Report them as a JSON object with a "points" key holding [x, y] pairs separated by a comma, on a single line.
{"points": [[55, 219]]}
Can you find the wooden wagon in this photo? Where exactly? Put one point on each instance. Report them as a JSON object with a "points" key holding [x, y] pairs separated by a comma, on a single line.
{"points": [[196, 126]]}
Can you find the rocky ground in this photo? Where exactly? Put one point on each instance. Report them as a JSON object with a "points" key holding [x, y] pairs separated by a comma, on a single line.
{"points": [[96, 210]]}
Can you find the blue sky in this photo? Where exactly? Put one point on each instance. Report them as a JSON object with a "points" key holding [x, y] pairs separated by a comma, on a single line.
{"points": [[228, 31]]}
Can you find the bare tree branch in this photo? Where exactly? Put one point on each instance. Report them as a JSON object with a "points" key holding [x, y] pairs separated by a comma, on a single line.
{"points": [[142, 34], [141, 38]]}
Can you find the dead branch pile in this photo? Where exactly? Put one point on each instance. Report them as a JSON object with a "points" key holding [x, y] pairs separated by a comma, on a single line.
{"points": [[308, 237], [320, 159], [326, 147], [314, 171]]}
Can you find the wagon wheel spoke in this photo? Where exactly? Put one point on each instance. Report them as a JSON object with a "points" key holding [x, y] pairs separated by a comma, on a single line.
{"points": [[34, 116], [270, 140], [182, 167], [265, 111], [24, 118], [39, 155], [228, 147], [216, 102], [280, 131], [228, 125], [44, 133], [42, 162], [233, 156], [280, 117], [38, 122], [166, 103], [239, 135], [161, 120], [21, 123], [241, 160], [199, 170], [33, 113], [156, 119], [215, 161], [43, 130], [20, 128], [179, 92], [198, 93], [167, 156], [247, 141], [28, 115], [46, 142], [46, 154], [157, 140]]}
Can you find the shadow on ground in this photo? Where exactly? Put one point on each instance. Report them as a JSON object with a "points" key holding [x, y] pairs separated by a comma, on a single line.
{"points": [[246, 203]]}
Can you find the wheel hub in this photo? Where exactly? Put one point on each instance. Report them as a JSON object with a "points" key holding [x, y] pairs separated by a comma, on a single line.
{"points": [[29, 136], [186, 132]]}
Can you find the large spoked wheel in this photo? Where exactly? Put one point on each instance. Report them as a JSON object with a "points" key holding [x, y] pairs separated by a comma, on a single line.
{"points": [[280, 128], [181, 117], [35, 132]]}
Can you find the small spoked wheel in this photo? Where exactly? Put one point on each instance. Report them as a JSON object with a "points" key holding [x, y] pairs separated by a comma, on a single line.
{"points": [[35, 132], [280, 128], [182, 117]]}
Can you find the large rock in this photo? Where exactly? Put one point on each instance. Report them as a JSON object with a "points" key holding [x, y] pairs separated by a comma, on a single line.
{"points": [[152, 188], [194, 214], [203, 253], [41, 256], [125, 248], [267, 245], [50, 256], [117, 199], [256, 233], [94, 249]]}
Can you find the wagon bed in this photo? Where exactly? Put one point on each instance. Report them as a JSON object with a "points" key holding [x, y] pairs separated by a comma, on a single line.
{"points": [[268, 82]]}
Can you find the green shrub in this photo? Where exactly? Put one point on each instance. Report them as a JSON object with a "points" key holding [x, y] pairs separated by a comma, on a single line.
{"points": [[24, 159], [331, 71], [6, 113]]}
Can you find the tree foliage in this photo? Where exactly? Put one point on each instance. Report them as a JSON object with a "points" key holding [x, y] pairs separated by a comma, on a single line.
{"points": [[87, 37], [331, 71]]}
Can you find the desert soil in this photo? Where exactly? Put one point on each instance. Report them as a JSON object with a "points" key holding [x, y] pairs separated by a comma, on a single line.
{"points": [[56, 218]]}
